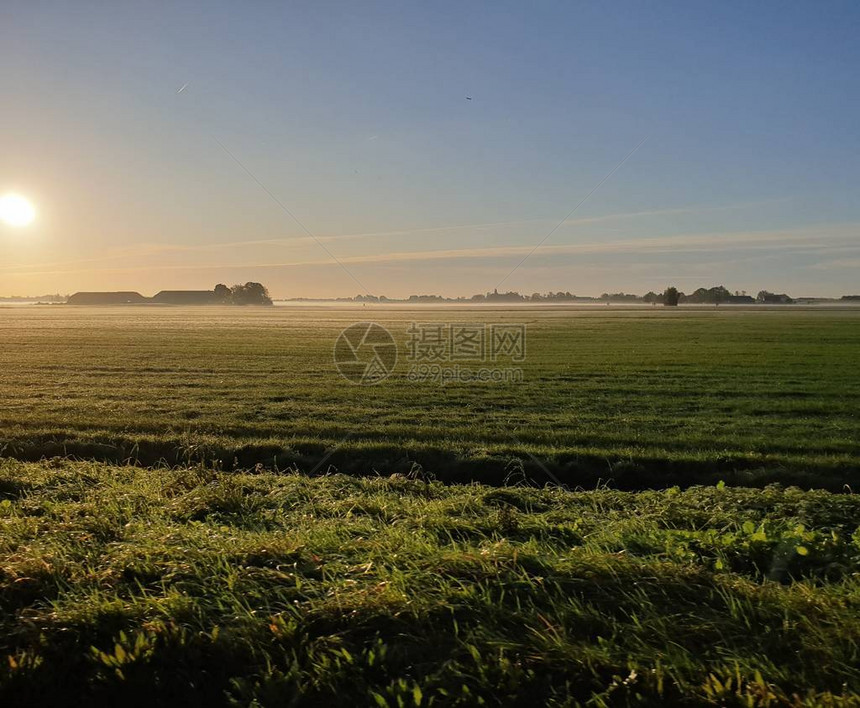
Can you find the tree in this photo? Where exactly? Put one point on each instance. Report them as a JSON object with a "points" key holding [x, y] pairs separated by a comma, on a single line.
{"points": [[713, 296], [250, 294], [223, 293], [671, 296]]}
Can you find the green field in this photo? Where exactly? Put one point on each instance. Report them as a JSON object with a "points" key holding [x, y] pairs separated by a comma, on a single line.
{"points": [[641, 397], [128, 586], [197, 509]]}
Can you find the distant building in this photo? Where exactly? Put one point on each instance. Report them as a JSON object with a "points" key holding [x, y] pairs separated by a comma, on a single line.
{"points": [[773, 298], [187, 297], [107, 298], [247, 294]]}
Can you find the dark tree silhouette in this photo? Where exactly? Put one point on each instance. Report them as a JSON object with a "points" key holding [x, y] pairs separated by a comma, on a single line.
{"points": [[671, 296], [250, 294], [223, 293]]}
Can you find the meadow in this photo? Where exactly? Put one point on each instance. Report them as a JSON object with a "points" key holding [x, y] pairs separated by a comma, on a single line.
{"points": [[643, 397], [198, 509]]}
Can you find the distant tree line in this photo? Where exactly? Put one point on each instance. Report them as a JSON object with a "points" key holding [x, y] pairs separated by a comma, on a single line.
{"points": [[247, 294], [671, 296], [257, 294], [54, 297], [719, 295]]}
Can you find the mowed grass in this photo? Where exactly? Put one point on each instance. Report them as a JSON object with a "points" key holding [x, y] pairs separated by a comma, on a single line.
{"points": [[644, 397], [121, 585]]}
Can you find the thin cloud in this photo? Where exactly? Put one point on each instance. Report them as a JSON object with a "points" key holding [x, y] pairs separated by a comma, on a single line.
{"points": [[688, 242], [153, 249], [811, 239], [837, 263]]}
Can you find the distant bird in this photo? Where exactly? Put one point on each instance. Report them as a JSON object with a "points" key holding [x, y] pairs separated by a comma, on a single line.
{"points": [[184, 86], [468, 98]]}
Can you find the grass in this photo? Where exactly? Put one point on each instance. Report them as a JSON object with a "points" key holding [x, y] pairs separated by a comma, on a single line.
{"points": [[645, 398], [176, 524], [128, 586]]}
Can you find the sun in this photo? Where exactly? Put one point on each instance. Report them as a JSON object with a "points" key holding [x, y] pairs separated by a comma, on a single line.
{"points": [[16, 210]]}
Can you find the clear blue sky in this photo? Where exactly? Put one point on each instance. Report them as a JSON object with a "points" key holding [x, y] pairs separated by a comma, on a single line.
{"points": [[355, 117]]}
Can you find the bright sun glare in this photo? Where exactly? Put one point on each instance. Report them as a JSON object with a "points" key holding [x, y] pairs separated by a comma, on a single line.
{"points": [[16, 210]]}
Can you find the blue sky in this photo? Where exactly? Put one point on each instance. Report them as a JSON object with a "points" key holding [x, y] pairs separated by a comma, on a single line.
{"points": [[354, 117]]}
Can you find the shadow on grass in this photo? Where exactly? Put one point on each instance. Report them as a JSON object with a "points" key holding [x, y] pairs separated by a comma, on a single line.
{"points": [[580, 470]]}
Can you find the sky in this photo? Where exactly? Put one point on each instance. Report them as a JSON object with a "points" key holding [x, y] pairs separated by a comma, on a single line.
{"points": [[329, 149]]}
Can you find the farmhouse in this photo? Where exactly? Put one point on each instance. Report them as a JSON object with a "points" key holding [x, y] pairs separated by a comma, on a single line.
{"points": [[247, 294], [187, 297], [107, 298]]}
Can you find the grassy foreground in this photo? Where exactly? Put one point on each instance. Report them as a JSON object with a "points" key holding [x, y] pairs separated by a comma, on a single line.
{"points": [[130, 586]]}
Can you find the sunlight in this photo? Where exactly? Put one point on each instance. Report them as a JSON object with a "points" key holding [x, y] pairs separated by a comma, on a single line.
{"points": [[16, 210]]}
